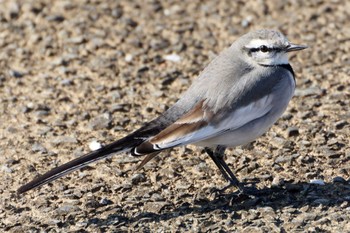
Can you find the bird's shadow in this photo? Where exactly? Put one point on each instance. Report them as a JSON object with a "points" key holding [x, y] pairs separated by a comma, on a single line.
{"points": [[294, 195]]}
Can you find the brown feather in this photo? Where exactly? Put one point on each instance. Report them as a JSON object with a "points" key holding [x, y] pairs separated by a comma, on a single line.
{"points": [[195, 119]]}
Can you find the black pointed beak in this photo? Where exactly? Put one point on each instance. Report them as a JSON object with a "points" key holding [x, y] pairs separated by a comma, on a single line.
{"points": [[295, 47]]}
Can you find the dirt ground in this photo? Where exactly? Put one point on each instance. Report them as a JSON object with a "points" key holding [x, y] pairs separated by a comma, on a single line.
{"points": [[74, 72]]}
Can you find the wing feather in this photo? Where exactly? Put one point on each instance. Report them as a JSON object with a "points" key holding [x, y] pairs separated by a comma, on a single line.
{"points": [[201, 123]]}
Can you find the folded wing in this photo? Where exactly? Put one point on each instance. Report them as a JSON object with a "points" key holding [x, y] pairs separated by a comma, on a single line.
{"points": [[202, 123]]}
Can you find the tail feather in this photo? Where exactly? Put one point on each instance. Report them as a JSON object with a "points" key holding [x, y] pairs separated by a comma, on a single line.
{"points": [[104, 152], [127, 143]]}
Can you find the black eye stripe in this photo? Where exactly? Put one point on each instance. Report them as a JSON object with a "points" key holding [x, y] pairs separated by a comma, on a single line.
{"points": [[264, 48]]}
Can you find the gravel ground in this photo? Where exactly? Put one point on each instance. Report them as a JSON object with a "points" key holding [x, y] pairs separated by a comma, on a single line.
{"points": [[75, 72]]}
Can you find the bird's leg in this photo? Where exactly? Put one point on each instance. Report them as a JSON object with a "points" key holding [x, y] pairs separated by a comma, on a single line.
{"points": [[211, 154], [218, 157]]}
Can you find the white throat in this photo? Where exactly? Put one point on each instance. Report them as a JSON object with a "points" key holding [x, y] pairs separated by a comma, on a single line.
{"points": [[277, 59]]}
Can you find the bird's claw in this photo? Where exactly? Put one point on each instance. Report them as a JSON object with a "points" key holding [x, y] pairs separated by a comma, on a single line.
{"points": [[242, 190]]}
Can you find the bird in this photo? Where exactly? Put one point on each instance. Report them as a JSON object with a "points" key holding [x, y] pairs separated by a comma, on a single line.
{"points": [[238, 96]]}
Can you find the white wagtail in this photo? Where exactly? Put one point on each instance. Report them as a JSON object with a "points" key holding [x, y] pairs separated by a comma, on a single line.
{"points": [[236, 98]]}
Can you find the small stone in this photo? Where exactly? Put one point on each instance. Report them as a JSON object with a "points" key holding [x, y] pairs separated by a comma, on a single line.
{"points": [[37, 147], [292, 131], [317, 182], [283, 159], [76, 40], [67, 209], [103, 121], [339, 179], [128, 58], [119, 108], [340, 124], [114, 96], [13, 9], [64, 140], [42, 113], [66, 82], [55, 18], [137, 178], [130, 22], [154, 207], [277, 182], [305, 143], [12, 129], [277, 142], [157, 197], [105, 201], [117, 12], [142, 69], [202, 167], [173, 57], [94, 145], [6, 169], [92, 203], [246, 22], [159, 44], [16, 74]]}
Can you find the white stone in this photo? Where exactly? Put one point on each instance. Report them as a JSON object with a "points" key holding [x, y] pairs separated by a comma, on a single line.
{"points": [[94, 145], [172, 57]]}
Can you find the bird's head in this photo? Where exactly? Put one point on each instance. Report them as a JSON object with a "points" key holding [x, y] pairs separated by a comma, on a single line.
{"points": [[267, 47]]}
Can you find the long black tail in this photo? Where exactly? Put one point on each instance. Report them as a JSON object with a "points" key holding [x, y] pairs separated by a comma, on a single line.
{"points": [[124, 144]]}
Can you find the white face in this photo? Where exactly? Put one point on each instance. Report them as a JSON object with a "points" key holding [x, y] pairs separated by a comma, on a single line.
{"points": [[267, 52]]}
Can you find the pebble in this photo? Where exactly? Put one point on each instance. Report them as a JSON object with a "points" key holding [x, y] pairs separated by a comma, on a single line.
{"points": [[13, 9], [16, 74], [67, 82], [339, 179], [159, 44], [173, 57], [103, 121], [157, 197], [292, 131], [128, 57], [6, 169], [76, 40], [67, 209], [55, 18], [277, 182], [340, 124], [286, 159], [317, 181], [105, 201], [94, 145], [64, 140], [278, 142], [37, 147], [137, 178], [154, 207]]}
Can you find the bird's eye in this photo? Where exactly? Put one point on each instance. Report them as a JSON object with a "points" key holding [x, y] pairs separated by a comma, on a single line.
{"points": [[264, 48]]}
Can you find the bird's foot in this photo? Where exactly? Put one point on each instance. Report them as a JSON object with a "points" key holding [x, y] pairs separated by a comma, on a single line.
{"points": [[242, 190]]}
